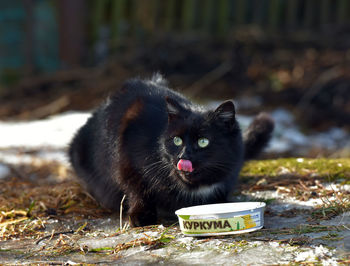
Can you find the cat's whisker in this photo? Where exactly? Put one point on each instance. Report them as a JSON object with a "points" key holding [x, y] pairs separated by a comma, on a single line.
{"points": [[152, 167], [158, 167]]}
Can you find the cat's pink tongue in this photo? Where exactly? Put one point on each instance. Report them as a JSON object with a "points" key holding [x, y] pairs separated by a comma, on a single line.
{"points": [[185, 165]]}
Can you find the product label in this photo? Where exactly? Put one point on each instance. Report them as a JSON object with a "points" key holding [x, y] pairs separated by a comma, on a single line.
{"points": [[237, 223]]}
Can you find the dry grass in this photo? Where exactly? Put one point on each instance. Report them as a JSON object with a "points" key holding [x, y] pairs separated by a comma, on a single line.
{"points": [[33, 194]]}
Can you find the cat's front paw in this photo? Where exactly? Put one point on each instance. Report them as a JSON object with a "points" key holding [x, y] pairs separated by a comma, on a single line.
{"points": [[142, 215], [142, 219]]}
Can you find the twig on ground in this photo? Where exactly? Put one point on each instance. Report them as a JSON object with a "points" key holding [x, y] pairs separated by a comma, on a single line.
{"points": [[50, 236], [121, 213], [51, 108]]}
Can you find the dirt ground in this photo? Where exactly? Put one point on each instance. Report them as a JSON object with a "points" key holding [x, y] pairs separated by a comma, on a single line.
{"points": [[47, 218]]}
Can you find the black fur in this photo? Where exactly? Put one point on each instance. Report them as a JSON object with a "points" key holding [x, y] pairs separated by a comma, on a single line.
{"points": [[257, 135], [127, 148]]}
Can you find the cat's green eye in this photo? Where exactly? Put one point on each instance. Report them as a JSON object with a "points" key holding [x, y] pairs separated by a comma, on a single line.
{"points": [[177, 141], [203, 142]]}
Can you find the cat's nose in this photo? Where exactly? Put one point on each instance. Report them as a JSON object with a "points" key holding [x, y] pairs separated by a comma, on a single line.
{"points": [[185, 154]]}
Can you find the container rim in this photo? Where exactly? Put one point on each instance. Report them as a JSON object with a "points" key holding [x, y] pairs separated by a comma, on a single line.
{"points": [[220, 208]]}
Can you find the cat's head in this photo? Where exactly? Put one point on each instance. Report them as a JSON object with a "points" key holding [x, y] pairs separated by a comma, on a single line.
{"points": [[203, 147]]}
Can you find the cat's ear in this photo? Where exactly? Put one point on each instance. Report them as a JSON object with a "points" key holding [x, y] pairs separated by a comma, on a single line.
{"points": [[175, 110], [226, 113]]}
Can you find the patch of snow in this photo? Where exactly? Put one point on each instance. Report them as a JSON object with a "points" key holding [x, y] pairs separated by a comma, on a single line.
{"points": [[161, 227], [302, 256], [4, 171], [60, 156], [69, 262], [99, 243], [283, 117], [13, 157], [274, 244], [330, 138], [248, 102], [186, 240], [56, 131], [107, 241], [316, 254], [50, 137], [143, 248], [244, 121], [278, 145], [336, 187], [287, 136]]}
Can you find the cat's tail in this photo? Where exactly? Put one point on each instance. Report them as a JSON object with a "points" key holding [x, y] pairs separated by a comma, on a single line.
{"points": [[257, 135]]}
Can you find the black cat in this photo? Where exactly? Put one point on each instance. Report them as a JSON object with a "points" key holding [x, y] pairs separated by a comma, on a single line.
{"points": [[162, 151]]}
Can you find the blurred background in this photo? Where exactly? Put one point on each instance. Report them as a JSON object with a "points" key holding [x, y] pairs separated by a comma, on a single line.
{"points": [[287, 57]]}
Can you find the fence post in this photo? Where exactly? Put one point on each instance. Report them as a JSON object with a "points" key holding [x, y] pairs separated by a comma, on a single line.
{"points": [[170, 14], [71, 31], [325, 12], [274, 14], [292, 13], [97, 10], [118, 14], [145, 14], [223, 16], [342, 11], [29, 37], [309, 13], [240, 11], [259, 12], [188, 14], [207, 15]]}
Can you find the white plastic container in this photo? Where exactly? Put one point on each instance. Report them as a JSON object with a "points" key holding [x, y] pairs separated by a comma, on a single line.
{"points": [[221, 219]]}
